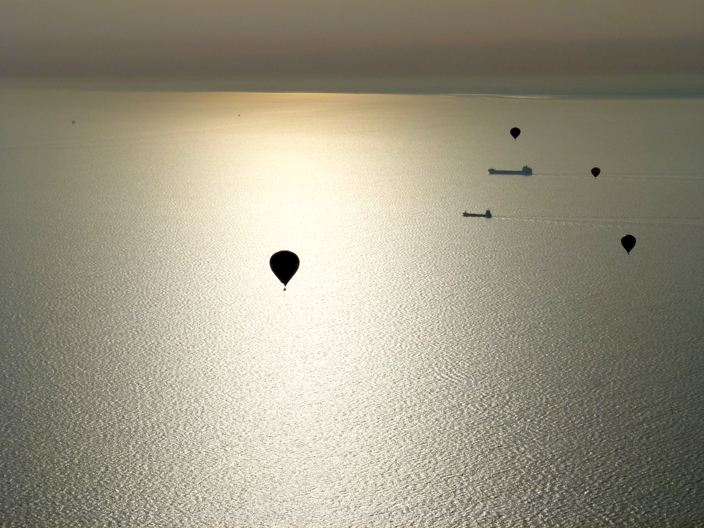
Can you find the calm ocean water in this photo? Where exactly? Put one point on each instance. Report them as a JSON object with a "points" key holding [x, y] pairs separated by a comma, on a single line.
{"points": [[423, 369]]}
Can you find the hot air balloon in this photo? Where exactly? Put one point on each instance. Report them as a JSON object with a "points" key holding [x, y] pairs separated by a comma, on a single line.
{"points": [[515, 132], [596, 171], [628, 242], [284, 264]]}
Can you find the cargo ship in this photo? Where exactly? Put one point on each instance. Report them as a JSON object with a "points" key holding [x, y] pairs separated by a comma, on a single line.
{"points": [[478, 215], [525, 171]]}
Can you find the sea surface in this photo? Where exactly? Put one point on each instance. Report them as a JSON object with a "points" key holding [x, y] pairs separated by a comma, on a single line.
{"points": [[422, 369]]}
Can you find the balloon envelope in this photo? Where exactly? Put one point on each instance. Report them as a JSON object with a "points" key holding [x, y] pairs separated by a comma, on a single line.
{"points": [[284, 264], [628, 242], [596, 171], [515, 132]]}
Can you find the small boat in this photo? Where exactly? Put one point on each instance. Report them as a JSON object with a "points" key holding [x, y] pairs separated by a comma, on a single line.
{"points": [[525, 171], [478, 215]]}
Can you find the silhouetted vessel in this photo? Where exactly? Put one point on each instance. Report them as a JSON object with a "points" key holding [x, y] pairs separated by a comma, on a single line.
{"points": [[478, 215], [525, 171]]}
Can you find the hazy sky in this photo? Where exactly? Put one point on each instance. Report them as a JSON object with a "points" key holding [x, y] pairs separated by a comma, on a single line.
{"points": [[363, 36]]}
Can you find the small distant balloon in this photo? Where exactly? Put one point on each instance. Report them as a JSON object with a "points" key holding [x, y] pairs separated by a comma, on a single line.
{"points": [[515, 132], [628, 242], [596, 171], [73, 122], [284, 264]]}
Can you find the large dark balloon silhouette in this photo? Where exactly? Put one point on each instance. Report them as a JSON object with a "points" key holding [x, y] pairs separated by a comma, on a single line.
{"points": [[628, 242], [515, 132], [596, 171], [284, 264]]}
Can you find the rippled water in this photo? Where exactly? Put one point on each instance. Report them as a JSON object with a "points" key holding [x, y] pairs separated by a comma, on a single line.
{"points": [[423, 369]]}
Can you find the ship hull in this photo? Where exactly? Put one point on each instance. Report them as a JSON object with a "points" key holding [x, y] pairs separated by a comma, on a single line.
{"points": [[526, 171]]}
